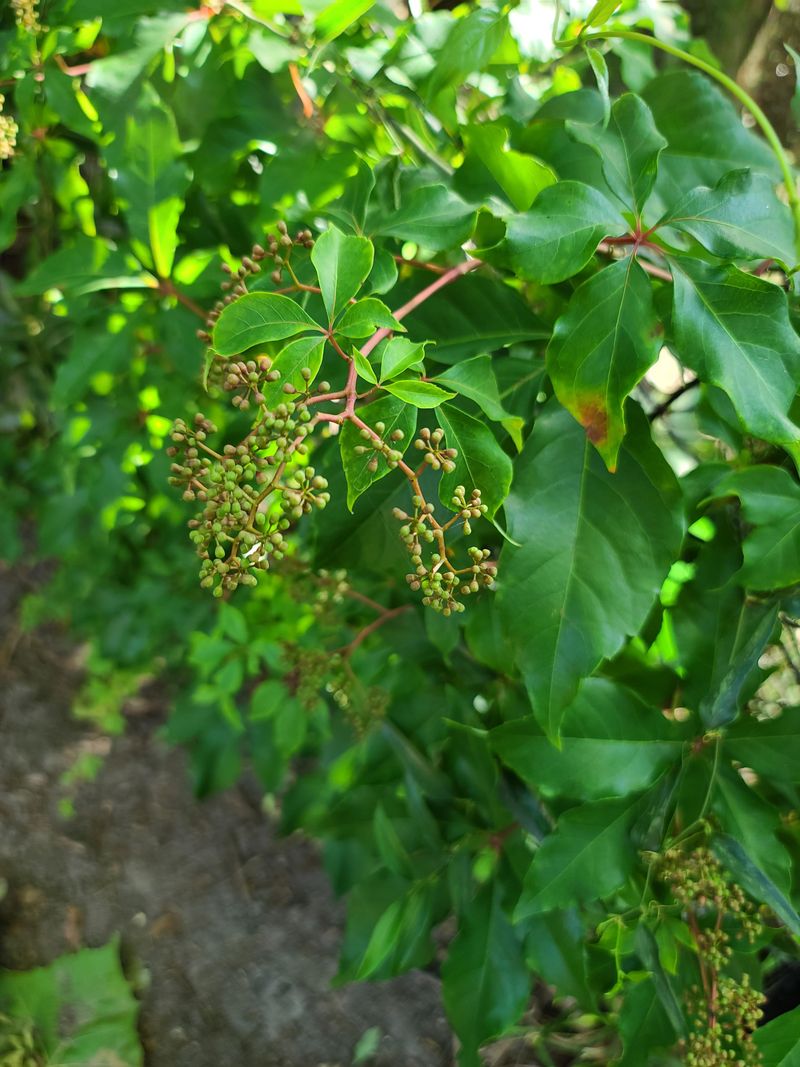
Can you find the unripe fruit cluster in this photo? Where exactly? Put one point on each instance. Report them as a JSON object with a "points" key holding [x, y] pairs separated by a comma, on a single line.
{"points": [[723, 1013], [441, 583], [430, 442], [380, 447], [251, 493]]}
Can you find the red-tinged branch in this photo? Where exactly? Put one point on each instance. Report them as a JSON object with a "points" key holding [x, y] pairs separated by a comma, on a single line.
{"points": [[423, 295], [364, 633]]}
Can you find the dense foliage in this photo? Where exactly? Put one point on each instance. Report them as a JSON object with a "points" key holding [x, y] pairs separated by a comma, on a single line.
{"points": [[488, 446]]}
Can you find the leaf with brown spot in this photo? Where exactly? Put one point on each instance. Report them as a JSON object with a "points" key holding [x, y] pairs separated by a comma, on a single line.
{"points": [[601, 347]]}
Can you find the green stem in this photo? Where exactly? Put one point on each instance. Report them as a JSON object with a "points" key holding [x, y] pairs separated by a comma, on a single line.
{"points": [[735, 90]]}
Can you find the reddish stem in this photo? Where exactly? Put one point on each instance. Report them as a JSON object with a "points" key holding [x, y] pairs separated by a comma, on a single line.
{"points": [[420, 298]]}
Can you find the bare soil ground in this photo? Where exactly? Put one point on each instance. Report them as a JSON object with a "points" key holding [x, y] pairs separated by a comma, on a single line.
{"points": [[233, 929]]}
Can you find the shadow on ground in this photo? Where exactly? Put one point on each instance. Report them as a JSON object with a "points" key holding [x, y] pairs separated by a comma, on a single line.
{"points": [[233, 928]]}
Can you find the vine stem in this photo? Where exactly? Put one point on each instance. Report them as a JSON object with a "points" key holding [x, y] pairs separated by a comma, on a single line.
{"points": [[735, 90], [420, 298]]}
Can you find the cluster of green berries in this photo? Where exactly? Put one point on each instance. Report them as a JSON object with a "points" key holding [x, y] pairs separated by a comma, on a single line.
{"points": [[379, 447], [308, 672], [726, 1035], [26, 14], [314, 671], [251, 493], [8, 133], [19, 1046], [438, 458], [722, 1021], [442, 584], [331, 590]]}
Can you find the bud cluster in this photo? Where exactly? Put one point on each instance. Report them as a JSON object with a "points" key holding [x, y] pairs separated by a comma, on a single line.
{"points": [[26, 13], [442, 584], [8, 133], [724, 1014], [332, 589], [19, 1043], [314, 671], [251, 493], [380, 447], [430, 442]]}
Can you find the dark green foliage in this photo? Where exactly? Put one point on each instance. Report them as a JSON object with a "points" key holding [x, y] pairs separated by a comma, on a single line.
{"points": [[505, 620]]}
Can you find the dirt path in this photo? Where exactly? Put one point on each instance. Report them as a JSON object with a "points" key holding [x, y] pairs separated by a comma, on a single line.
{"points": [[234, 928]]}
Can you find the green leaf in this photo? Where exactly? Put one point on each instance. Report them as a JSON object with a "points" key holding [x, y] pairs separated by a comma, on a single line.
{"points": [[86, 265], [395, 414], [734, 331], [753, 880], [470, 44], [337, 16], [555, 949], [304, 353], [153, 179], [705, 134], [83, 1008], [770, 746], [560, 234], [579, 586], [364, 368], [770, 500], [589, 855], [433, 217], [602, 346], [398, 354], [600, 69], [485, 983], [520, 177], [612, 744], [342, 263], [754, 824], [629, 149], [364, 317], [602, 12], [267, 700], [643, 1023], [472, 316], [474, 378], [401, 937], [777, 1040], [115, 74], [720, 634], [257, 318], [420, 394], [480, 464], [741, 217]]}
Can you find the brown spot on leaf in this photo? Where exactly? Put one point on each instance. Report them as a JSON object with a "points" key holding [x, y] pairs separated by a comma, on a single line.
{"points": [[594, 420]]}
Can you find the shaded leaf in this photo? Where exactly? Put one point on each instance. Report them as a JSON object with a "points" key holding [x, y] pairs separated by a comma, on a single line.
{"points": [[485, 983], [740, 217], [734, 331], [629, 149], [579, 587], [587, 856], [611, 744], [433, 217], [753, 880]]}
